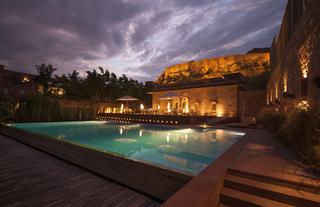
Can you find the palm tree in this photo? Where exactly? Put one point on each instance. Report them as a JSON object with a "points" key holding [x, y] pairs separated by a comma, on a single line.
{"points": [[44, 77]]}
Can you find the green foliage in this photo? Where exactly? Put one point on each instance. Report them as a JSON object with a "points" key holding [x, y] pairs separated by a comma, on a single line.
{"points": [[42, 108], [272, 121], [299, 129], [37, 108], [6, 111], [101, 85], [45, 75]]}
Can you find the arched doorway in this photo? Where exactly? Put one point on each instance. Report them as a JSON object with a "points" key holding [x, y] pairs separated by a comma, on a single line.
{"points": [[213, 107], [185, 105]]}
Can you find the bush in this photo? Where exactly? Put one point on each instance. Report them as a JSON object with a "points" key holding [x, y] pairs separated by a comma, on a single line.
{"points": [[272, 121], [37, 108], [6, 111], [299, 130]]}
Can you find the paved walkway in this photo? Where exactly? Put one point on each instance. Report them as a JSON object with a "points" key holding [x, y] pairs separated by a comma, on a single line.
{"points": [[257, 153], [263, 154], [29, 177]]}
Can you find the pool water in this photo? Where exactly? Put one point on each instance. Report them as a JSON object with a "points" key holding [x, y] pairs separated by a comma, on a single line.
{"points": [[187, 150]]}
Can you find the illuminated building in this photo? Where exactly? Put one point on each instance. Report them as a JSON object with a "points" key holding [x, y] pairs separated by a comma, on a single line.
{"points": [[208, 87], [295, 56], [15, 84]]}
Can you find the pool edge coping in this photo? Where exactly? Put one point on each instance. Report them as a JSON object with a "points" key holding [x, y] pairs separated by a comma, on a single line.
{"points": [[172, 181], [204, 189]]}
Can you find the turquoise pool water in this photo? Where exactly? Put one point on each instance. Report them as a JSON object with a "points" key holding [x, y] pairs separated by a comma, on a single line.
{"points": [[185, 150]]}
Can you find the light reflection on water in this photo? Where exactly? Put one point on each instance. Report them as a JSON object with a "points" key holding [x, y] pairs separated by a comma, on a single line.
{"points": [[186, 150]]}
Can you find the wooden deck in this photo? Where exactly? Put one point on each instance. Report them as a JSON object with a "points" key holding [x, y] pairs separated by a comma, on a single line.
{"points": [[29, 177]]}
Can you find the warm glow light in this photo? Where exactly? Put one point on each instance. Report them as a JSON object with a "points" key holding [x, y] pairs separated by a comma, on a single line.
{"points": [[121, 108], [303, 106], [187, 107], [169, 107], [158, 107], [276, 90], [204, 125], [141, 107], [60, 92], [304, 61], [220, 110], [285, 82], [305, 73], [219, 134], [25, 79]]}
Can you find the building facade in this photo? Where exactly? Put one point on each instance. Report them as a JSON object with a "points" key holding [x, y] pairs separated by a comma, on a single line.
{"points": [[212, 97], [211, 87], [16, 84], [295, 56]]}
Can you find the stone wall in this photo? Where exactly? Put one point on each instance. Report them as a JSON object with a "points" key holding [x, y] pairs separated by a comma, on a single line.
{"points": [[251, 102], [297, 67], [250, 64], [217, 100]]}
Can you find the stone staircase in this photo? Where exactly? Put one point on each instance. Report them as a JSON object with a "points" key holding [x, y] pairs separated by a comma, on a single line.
{"points": [[242, 189]]}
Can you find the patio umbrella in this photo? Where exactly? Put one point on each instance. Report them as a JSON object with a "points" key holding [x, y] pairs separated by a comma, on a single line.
{"points": [[127, 99]]}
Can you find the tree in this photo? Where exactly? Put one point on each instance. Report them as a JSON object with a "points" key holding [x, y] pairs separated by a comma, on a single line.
{"points": [[72, 85], [100, 85], [44, 77]]}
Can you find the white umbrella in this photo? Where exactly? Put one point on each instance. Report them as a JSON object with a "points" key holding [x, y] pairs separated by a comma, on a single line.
{"points": [[127, 99]]}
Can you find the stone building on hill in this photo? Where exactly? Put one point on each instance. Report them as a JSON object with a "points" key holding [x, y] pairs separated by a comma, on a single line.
{"points": [[211, 87], [255, 62]]}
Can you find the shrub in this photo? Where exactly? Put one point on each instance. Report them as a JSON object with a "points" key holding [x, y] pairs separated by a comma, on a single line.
{"points": [[299, 129], [6, 111], [272, 121]]}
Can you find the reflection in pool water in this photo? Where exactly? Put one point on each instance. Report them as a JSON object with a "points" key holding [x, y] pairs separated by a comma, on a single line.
{"points": [[186, 150]]}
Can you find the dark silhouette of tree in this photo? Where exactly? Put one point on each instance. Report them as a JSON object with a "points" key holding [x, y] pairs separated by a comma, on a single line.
{"points": [[100, 86], [44, 77]]}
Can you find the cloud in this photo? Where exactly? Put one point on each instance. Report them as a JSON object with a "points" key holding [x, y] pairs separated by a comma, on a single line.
{"points": [[136, 37]]}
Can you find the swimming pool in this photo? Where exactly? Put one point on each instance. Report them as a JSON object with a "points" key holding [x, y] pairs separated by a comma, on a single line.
{"points": [[186, 150]]}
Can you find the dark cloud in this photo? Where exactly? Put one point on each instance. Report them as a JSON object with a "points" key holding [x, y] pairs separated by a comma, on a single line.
{"points": [[137, 37]]}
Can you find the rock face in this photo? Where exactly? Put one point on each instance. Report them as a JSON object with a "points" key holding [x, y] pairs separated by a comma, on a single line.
{"points": [[250, 64]]}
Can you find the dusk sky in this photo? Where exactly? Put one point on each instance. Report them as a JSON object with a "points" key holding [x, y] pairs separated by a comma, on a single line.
{"points": [[136, 37]]}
